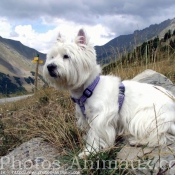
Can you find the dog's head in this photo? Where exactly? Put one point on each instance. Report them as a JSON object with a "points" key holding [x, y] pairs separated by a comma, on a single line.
{"points": [[69, 65]]}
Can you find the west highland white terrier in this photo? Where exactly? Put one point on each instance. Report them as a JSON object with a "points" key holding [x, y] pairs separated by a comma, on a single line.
{"points": [[144, 113]]}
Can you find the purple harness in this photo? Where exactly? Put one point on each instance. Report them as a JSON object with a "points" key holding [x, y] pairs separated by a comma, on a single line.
{"points": [[87, 93]]}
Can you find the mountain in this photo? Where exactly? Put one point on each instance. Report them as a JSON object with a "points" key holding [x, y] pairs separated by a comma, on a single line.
{"points": [[25, 51], [17, 71], [125, 43], [15, 58], [16, 67]]}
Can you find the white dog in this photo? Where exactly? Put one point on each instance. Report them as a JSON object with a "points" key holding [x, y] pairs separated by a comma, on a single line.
{"points": [[145, 114]]}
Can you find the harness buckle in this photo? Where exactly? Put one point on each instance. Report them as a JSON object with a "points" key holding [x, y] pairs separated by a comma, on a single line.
{"points": [[87, 93]]}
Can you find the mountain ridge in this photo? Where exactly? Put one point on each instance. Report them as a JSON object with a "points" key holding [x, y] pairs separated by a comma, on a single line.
{"points": [[126, 43], [22, 49]]}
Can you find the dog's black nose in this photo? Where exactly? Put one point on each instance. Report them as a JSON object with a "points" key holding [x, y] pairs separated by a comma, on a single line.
{"points": [[52, 69]]}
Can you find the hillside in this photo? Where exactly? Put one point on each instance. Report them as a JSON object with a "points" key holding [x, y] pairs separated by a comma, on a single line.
{"points": [[23, 50], [126, 43], [13, 54], [16, 68]]}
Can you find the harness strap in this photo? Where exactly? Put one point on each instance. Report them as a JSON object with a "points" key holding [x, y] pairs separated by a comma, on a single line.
{"points": [[86, 94], [121, 95]]}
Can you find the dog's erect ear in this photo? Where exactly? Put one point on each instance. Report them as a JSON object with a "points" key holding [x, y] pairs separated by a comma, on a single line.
{"points": [[82, 37], [59, 38]]}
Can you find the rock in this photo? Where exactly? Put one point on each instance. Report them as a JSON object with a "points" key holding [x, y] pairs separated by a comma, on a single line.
{"points": [[33, 157], [155, 78], [132, 153], [149, 160]]}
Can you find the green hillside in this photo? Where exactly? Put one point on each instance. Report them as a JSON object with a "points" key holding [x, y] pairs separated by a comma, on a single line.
{"points": [[150, 51], [126, 43]]}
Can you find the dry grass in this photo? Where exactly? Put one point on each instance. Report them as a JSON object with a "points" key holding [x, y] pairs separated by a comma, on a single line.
{"points": [[165, 67], [50, 114]]}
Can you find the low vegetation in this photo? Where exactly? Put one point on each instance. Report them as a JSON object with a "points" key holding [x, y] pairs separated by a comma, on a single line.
{"points": [[50, 114]]}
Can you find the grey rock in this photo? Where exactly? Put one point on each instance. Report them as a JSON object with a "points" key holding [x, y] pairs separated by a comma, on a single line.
{"points": [[149, 160], [152, 77], [35, 156]]}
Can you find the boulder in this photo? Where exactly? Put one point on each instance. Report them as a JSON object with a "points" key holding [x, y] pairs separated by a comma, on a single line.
{"points": [[33, 157], [155, 78]]}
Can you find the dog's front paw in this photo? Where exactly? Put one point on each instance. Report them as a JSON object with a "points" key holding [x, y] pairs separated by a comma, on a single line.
{"points": [[83, 154], [138, 143]]}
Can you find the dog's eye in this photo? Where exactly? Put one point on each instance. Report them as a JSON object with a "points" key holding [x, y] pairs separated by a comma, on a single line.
{"points": [[66, 57]]}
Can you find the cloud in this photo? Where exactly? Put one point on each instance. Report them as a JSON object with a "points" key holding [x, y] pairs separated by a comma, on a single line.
{"points": [[28, 36], [43, 41], [14, 34], [102, 19], [83, 12], [5, 27]]}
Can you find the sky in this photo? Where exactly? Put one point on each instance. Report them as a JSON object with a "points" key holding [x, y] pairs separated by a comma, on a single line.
{"points": [[36, 23]]}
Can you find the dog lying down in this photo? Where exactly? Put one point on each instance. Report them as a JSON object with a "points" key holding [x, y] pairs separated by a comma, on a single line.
{"points": [[144, 113]]}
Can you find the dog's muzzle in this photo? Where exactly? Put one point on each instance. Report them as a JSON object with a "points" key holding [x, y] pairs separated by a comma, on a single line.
{"points": [[52, 69]]}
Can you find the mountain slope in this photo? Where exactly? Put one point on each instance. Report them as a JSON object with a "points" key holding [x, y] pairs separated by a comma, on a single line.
{"points": [[23, 50], [16, 68], [125, 43], [15, 58]]}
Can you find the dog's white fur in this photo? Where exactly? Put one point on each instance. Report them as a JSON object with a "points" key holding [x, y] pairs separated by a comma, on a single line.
{"points": [[146, 117]]}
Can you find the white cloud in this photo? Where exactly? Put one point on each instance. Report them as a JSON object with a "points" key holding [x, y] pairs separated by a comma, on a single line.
{"points": [[5, 27], [29, 37], [98, 34], [25, 30]]}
